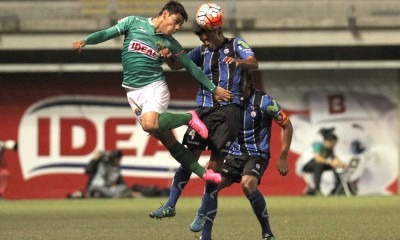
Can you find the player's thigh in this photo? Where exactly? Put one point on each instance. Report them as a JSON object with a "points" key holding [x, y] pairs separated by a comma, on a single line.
{"points": [[255, 166], [223, 134], [232, 168], [150, 121]]}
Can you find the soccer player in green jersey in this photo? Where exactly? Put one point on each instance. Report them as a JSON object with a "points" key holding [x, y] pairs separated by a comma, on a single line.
{"points": [[147, 91]]}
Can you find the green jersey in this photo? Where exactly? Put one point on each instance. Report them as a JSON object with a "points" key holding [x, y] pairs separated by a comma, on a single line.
{"points": [[141, 61], [319, 148]]}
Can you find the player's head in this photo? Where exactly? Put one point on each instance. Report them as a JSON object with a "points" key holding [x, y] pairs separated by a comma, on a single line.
{"points": [[212, 39], [115, 157], [247, 83], [173, 15], [329, 137]]}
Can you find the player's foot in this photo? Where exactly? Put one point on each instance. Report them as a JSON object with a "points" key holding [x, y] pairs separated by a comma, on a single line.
{"points": [[269, 238], [211, 176], [198, 223], [163, 212], [204, 238], [198, 125]]}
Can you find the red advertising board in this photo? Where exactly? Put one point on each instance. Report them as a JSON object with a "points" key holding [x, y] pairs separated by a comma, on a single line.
{"points": [[60, 121]]}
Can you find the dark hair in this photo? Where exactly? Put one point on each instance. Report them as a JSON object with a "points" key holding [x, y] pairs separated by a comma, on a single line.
{"points": [[248, 77], [116, 154], [327, 134], [174, 7], [198, 30]]}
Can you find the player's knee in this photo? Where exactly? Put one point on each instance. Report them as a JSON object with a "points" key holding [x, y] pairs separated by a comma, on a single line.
{"points": [[149, 126], [249, 184]]}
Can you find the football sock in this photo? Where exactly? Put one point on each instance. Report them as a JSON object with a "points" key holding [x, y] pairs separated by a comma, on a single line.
{"points": [[209, 207], [259, 206], [186, 158], [181, 178], [167, 120]]}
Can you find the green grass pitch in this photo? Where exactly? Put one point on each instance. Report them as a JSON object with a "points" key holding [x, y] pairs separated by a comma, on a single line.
{"points": [[290, 217]]}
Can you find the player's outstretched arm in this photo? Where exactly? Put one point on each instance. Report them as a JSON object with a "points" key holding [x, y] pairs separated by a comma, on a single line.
{"points": [[248, 63], [95, 38], [219, 93]]}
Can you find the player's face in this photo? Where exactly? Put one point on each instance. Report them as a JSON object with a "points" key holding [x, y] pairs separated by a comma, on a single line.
{"points": [[213, 40], [171, 24]]}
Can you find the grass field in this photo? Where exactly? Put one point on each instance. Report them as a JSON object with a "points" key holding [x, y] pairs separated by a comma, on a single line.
{"points": [[290, 217]]}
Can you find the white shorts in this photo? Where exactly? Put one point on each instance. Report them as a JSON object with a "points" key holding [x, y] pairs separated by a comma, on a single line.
{"points": [[150, 98]]}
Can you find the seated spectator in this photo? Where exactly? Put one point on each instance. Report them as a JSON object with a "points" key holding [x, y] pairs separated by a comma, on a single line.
{"points": [[323, 159]]}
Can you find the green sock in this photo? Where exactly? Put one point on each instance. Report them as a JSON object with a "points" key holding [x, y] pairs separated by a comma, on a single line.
{"points": [[186, 158], [167, 120]]}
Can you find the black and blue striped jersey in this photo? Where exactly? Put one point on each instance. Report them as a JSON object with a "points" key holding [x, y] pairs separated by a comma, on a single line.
{"points": [[225, 75], [255, 125]]}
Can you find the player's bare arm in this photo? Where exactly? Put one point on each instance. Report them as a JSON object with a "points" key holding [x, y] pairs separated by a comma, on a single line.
{"points": [[287, 133], [249, 63]]}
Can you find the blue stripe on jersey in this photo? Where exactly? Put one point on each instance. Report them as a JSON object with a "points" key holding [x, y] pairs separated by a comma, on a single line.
{"points": [[255, 129], [222, 74]]}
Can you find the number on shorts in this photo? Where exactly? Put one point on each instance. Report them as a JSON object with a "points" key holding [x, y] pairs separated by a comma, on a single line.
{"points": [[192, 133]]}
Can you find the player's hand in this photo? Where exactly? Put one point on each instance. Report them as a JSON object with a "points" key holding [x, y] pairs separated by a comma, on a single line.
{"points": [[214, 165], [283, 167], [222, 94], [165, 53], [78, 45], [231, 60]]}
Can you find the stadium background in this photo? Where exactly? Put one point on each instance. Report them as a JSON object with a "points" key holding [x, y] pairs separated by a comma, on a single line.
{"points": [[303, 47]]}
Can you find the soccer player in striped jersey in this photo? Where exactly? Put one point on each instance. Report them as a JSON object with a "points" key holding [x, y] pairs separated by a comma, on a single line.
{"points": [[248, 158], [145, 85], [224, 61]]}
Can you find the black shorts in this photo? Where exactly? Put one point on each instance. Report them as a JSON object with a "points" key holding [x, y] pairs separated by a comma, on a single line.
{"points": [[237, 166], [223, 127]]}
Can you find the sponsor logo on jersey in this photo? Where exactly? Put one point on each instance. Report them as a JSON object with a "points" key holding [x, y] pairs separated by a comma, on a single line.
{"points": [[274, 107], [141, 47], [160, 45], [244, 44]]}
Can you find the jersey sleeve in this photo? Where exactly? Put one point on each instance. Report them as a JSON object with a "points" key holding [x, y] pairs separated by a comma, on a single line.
{"points": [[101, 36], [243, 49], [195, 56], [270, 107], [174, 46], [104, 35], [124, 24], [316, 147]]}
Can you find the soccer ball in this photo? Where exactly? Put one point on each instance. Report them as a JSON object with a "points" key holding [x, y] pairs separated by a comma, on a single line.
{"points": [[209, 16]]}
